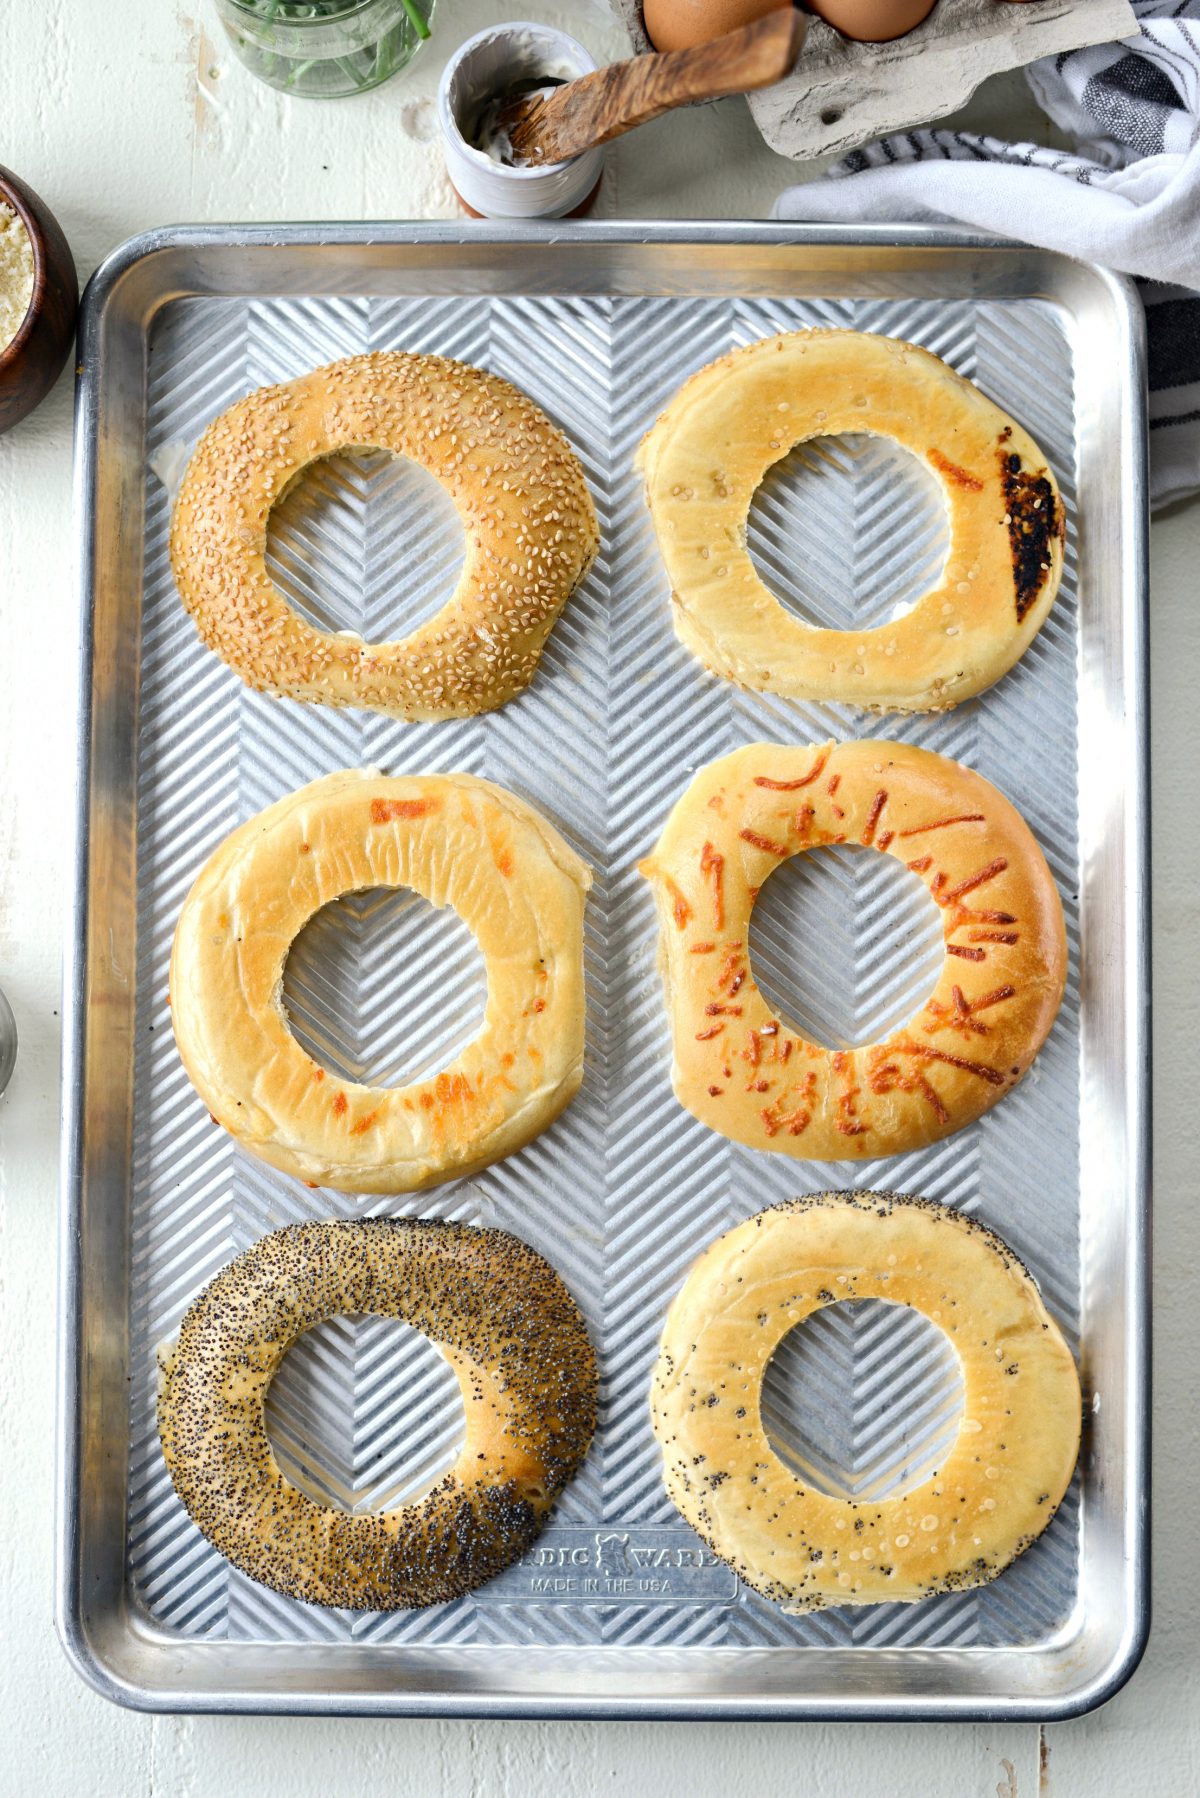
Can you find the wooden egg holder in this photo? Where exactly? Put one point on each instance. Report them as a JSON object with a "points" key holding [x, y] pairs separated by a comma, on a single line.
{"points": [[842, 94]]}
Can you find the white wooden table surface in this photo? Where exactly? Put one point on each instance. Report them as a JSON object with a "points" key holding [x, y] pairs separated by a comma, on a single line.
{"points": [[126, 114]]}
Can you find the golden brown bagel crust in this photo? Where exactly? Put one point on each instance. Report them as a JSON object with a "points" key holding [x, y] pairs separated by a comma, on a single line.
{"points": [[709, 451], [529, 523], [458, 841], [509, 1329], [1018, 1438], [736, 1065]]}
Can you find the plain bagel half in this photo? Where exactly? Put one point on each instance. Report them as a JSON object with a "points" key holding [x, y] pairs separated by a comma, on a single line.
{"points": [[708, 453], [457, 841]]}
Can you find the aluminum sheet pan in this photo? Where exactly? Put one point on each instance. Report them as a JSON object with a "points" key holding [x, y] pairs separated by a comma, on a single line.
{"points": [[618, 1611]]}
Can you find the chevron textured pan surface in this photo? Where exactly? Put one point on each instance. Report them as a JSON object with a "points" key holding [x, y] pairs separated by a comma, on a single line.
{"points": [[625, 1189]]}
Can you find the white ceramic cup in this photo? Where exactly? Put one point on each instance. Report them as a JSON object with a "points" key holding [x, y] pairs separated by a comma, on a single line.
{"points": [[488, 64]]}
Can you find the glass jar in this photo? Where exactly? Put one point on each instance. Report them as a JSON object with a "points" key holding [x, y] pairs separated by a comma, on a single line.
{"points": [[325, 48], [8, 1042]]}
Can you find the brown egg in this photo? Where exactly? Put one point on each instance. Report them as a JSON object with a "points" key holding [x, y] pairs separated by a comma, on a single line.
{"points": [[680, 24], [871, 21]]}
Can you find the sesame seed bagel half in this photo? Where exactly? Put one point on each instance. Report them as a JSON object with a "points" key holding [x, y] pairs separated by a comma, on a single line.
{"points": [[998, 1484], [513, 1336], [530, 530]]}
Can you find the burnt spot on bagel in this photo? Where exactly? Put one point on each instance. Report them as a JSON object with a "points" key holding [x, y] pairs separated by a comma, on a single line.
{"points": [[1034, 524]]}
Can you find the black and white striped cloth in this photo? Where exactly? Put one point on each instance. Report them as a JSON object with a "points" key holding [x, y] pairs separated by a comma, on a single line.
{"points": [[1127, 196]]}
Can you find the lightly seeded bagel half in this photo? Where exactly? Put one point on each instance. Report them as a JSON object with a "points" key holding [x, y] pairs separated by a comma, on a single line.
{"points": [[995, 1488]]}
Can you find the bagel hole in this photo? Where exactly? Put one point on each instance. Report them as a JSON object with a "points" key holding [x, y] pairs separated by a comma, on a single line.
{"points": [[845, 944], [382, 988], [848, 531], [365, 541], [364, 1414], [863, 1398]]}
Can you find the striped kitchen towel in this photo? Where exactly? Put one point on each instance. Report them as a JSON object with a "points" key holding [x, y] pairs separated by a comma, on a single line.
{"points": [[1127, 196]]}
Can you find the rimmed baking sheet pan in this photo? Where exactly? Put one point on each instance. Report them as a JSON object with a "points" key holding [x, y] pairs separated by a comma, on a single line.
{"points": [[618, 1611]]}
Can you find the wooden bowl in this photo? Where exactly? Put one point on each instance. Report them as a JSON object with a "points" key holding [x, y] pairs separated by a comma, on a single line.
{"points": [[33, 361]]}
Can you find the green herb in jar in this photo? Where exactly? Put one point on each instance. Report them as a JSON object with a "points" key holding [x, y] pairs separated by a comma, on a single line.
{"points": [[325, 48]]}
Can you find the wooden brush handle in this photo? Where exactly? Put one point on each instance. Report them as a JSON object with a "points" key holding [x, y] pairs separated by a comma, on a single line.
{"points": [[603, 105]]}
